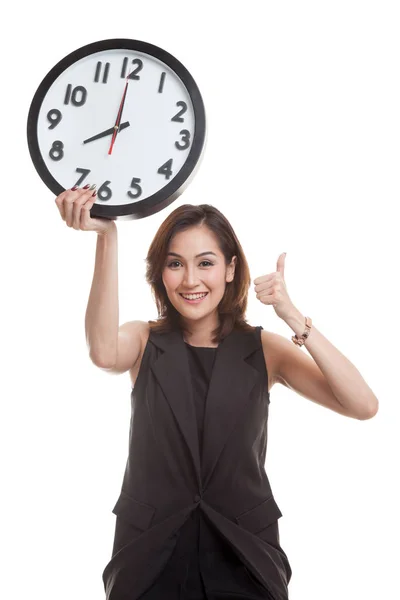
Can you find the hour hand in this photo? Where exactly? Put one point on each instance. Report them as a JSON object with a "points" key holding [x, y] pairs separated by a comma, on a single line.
{"points": [[107, 132]]}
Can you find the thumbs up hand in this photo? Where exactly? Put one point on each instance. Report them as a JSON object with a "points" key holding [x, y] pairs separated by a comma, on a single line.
{"points": [[271, 289]]}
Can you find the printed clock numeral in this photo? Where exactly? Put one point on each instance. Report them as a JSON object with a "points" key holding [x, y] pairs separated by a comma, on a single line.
{"points": [[76, 96], [104, 192], [97, 74], [165, 169], [85, 173], [133, 75], [54, 116], [185, 138], [57, 150], [135, 184], [177, 117], [162, 81]]}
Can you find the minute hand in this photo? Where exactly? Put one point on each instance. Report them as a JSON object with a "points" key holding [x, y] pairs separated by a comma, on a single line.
{"points": [[119, 117], [106, 132]]}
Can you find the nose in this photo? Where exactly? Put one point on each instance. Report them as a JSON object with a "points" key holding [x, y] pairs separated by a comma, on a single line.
{"points": [[189, 278]]}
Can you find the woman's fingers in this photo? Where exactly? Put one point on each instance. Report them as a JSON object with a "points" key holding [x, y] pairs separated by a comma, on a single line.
{"points": [[70, 201], [77, 207]]}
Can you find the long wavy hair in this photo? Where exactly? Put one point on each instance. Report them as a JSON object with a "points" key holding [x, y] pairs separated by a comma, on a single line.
{"points": [[233, 305]]}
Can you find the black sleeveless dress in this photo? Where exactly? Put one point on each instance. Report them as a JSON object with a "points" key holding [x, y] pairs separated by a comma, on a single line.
{"points": [[181, 577]]}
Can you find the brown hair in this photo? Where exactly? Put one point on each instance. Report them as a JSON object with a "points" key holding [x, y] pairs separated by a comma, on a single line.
{"points": [[232, 308]]}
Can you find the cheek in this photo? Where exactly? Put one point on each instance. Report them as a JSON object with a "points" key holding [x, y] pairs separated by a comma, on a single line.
{"points": [[216, 279], [171, 279]]}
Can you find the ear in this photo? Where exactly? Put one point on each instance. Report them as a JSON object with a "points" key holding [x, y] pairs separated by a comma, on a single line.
{"points": [[230, 271]]}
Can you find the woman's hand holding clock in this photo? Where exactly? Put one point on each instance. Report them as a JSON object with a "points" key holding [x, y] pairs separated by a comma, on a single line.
{"points": [[74, 206]]}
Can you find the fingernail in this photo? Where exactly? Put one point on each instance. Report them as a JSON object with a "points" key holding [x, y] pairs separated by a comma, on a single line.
{"points": [[94, 193], [74, 188], [86, 187], [93, 186]]}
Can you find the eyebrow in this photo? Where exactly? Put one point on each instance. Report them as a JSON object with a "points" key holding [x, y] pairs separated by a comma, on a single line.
{"points": [[197, 255]]}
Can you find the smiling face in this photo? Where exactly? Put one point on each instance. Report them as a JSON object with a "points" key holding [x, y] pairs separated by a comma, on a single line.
{"points": [[194, 264]]}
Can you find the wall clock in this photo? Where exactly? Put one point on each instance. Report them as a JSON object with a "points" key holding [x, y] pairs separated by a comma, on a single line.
{"points": [[123, 114]]}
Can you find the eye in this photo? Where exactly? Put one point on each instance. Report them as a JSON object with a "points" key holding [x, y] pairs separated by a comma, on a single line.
{"points": [[206, 261], [174, 262]]}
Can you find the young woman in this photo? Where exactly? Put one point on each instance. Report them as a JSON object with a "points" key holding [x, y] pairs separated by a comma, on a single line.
{"points": [[196, 518]]}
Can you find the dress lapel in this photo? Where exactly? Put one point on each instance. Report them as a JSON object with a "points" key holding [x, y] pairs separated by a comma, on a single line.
{"points": [[229, 390]]}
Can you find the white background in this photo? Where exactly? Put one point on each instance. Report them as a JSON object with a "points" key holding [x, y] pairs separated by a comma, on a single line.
{"points": [[302, 101]]}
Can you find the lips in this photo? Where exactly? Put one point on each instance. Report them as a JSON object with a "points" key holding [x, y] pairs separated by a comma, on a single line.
{"points": [[195, 300]]}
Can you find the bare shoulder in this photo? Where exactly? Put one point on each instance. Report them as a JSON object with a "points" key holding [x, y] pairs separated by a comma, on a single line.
{"points": [[272, 344], [144, 329], [145, 332]]}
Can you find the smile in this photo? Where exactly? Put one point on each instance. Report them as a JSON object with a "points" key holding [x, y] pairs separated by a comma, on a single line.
{"points": [[194, 300]]}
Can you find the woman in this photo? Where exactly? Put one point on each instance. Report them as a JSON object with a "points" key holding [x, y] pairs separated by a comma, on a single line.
{"points": [[196, 517]]}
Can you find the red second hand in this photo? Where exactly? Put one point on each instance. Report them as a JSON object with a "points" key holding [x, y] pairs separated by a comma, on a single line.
{"points": [[116, 127]]}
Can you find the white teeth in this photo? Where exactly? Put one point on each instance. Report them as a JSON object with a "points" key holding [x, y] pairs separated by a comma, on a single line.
{"points": [[193, 296]]}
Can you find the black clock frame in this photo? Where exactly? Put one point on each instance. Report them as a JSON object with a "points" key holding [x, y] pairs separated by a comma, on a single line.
{"points": [[166, 195]]}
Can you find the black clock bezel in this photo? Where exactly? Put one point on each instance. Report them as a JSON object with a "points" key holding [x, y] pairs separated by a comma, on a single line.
{"points": [[166, 195]]}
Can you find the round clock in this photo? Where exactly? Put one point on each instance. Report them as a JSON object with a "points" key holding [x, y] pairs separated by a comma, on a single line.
{"points": [[125, 115]]}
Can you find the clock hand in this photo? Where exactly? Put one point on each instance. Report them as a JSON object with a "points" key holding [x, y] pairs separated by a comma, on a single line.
{"points": [[118, 121], [106, 132]]}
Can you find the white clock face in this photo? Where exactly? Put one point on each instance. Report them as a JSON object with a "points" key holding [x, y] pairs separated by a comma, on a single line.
{"points": [[155, 135]]}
